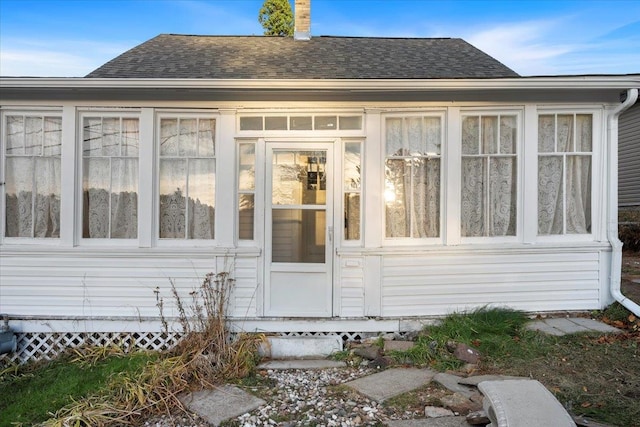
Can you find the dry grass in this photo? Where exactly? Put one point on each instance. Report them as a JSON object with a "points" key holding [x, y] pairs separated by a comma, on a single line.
{"points": [[205, 356]]}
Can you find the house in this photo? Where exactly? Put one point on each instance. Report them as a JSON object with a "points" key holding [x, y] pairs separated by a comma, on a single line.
{"points": [[349, 185], [629, 155]]}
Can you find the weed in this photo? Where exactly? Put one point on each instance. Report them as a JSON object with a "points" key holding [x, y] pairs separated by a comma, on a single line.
{"points": [[205, 356]]}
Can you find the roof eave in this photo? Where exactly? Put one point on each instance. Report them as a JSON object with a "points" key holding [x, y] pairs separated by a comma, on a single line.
{"points": [[553, 82]]}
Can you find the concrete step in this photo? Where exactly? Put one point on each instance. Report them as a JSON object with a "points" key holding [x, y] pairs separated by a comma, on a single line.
{"points": [[522, 403], [300, 347]]}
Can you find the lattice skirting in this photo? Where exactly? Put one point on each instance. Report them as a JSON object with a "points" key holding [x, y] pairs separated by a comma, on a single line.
{"points": [[45, 346]]}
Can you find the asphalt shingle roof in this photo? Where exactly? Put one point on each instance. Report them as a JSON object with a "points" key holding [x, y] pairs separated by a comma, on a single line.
{"points": [[170, 56]]}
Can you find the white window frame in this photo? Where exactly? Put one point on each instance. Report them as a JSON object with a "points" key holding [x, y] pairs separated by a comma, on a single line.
{"points": [[339, 174], [598, 182], [185, 243], [257, 205], [26, 112], [414, 241], [520, 161], [79, 224]]}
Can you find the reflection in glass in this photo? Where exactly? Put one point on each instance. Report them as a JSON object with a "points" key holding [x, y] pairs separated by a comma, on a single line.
{"points": [[246, 216], [298, 235], [299, 178]]}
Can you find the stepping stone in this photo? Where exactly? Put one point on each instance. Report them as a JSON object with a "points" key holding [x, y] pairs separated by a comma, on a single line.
{"points": [[392, 382], [431, 422], [522, 403], [452, 382], [220, 404], [302, 364], [300, 347], [562, 326], [477, 379], [594, 325]]}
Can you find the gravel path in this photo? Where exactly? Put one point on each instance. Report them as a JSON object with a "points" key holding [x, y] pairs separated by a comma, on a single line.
{"points": [[304, 397]]}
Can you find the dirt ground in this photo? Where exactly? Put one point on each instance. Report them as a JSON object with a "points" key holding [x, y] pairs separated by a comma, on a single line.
{"points": [[630, 285]]}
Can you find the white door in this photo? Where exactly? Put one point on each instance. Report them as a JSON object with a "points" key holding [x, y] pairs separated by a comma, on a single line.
{"points": [[298, 230]]}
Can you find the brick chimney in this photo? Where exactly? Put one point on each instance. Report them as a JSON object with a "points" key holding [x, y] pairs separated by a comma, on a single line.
{"points": [[302, 29]]}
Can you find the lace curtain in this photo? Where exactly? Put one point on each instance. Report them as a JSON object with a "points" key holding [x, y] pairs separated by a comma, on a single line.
{"points": [[564, 174], [187, 178], [32, 176], [412, 177], [110, 169], [489, 176]]}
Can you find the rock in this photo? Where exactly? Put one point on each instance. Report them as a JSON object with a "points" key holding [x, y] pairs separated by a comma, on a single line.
{"points": [[451, 346], [466, 354], [369, 352], [436, 412], [476, 418], [398, 345], [380, 362], [460, 404], [388, 337]]}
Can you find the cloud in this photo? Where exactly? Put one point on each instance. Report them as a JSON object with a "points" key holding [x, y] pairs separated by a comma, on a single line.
{"points": [[55, 58], [550, 47]]}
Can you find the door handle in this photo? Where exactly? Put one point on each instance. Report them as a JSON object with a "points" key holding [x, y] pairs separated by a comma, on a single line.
{"points": [[330, 230]]}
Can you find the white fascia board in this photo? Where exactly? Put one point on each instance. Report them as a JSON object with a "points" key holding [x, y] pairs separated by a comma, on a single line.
{"points": [[557, 82]]}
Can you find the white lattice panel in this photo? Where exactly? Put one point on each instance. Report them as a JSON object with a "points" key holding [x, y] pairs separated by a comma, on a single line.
{"points": [[45, 346]]}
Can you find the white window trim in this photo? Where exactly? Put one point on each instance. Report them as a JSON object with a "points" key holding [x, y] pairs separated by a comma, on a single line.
{"points": [[339, 237], [236, 187], [103, 113], [32, 112], [414, 241], [155, 232], [598, 153], [520, 161]]}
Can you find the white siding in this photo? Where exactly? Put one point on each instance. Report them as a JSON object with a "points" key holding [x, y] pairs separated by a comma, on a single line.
{"points": [[111, 284], [629, 157], [351, 287], [437, 284]]}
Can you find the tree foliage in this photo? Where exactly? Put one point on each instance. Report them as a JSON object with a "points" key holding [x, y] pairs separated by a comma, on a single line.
{"points": [[276, 18]]}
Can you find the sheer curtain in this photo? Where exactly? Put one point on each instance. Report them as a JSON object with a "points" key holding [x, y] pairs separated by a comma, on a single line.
{"points": [[33, 176], [110, 169], [187, 178], [489, 176], [412, 177], [564, 174]]}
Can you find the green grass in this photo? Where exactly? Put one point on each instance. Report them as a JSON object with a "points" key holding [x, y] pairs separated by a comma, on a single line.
{"points": [[591, 375], [491, 330], [37, 390]]}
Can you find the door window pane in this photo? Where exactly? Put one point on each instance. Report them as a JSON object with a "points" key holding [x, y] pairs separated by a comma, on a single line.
{"points": [[299, 178], [298, 235]]}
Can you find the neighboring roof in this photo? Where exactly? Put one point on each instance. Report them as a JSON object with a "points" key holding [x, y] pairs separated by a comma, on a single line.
{"points": [[170, 56]]}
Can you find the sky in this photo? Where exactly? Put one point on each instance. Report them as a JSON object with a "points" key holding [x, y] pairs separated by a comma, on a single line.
{"points": [[70, 38]]}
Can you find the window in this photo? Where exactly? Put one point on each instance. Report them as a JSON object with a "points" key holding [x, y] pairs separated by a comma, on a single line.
{"points": [[187, 178], [412, 176], [489, 175], [32, 175], [246, 190], [352, 190], [296, 123], [110, 177], [564, 173]]}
